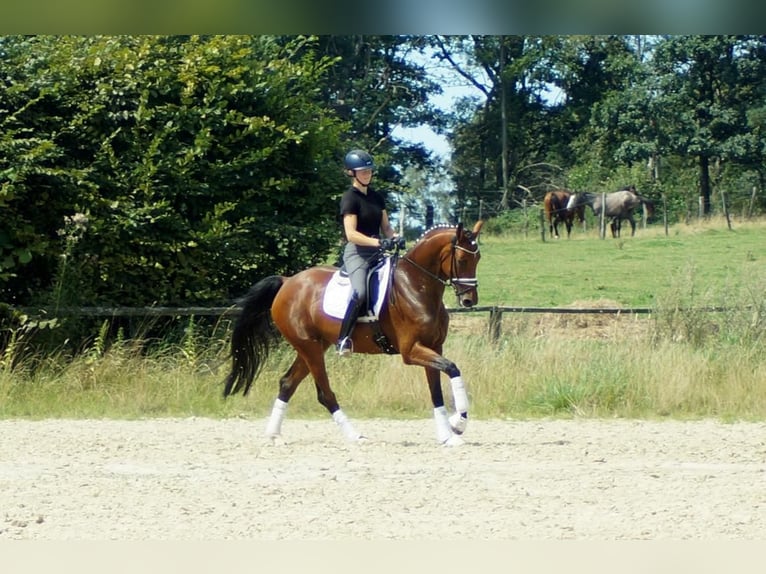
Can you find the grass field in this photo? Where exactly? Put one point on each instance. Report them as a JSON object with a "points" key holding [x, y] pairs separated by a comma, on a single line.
{"points": [[632, 271], [679, 361]]}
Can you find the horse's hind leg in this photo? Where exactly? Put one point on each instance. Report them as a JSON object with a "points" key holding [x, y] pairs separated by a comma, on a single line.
{"points": [[314, 358], [287, 386]]}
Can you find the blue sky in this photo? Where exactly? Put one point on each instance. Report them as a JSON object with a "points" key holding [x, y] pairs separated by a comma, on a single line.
{"points": [[454, 87]]}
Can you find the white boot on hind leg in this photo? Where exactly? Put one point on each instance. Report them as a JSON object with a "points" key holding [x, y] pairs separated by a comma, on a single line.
{"points": [[274, 426]]}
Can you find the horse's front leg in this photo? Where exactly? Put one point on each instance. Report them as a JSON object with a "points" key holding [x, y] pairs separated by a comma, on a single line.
{"points": [[445, 432], [447, 428]]}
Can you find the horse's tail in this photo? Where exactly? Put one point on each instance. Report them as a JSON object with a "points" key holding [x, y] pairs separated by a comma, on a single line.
{"points": [[648, 203], [253, 335], [557, 206]]}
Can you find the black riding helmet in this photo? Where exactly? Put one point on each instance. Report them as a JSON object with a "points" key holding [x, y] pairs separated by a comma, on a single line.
{"points": [[358, 159]]}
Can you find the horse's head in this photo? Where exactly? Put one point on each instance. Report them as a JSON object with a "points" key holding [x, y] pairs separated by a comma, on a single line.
{"points": [[463, 260], [449, 256], [575, 201]]}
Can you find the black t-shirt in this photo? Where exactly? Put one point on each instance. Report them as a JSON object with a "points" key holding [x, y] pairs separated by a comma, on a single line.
{"points": [[367, 208]]}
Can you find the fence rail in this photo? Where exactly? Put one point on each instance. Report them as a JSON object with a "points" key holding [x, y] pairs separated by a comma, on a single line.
{"points": [[493, 324], [233, 311]]}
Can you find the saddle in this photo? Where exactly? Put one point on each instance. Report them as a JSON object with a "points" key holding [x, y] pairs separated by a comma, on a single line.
{"points": [[337, 294]]}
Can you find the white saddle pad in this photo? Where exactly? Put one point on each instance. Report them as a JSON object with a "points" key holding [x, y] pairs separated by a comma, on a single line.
{"points": [[337, 294]]}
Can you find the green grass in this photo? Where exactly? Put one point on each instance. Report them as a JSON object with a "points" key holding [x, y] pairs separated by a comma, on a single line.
{"points": [[678, 362], [630, 271]]}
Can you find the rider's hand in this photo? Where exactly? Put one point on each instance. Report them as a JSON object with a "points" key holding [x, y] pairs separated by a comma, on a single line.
{"points": [[386, 244]]}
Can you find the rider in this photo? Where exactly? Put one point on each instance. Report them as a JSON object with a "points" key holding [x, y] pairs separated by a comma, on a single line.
{"points": [[364, 220]]}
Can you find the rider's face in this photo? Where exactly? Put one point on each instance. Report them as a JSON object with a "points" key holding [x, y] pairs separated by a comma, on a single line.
{"points": [[364, 175]]}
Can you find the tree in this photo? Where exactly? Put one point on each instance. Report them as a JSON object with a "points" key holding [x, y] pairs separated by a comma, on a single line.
{"points": [[192, 166], [707, 85], [496, 138], [376, 85]]}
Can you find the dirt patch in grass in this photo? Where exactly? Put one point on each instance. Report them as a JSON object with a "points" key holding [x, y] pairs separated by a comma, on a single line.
{"points": [[566, 325]]}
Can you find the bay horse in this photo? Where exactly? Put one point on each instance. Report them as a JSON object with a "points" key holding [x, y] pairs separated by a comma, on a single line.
{"points": [[413, 320], [618, 205], [555, 204]]}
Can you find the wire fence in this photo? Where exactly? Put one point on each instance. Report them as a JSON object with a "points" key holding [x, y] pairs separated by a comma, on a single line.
{"points": [[731, 205]]}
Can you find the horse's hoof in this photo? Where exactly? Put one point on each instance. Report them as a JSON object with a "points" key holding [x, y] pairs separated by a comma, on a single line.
{"points": [[275, 440], [454, 440], [458, 423]]}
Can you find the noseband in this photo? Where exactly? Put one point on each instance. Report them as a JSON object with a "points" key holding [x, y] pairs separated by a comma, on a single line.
{"points": [[467, 283]]}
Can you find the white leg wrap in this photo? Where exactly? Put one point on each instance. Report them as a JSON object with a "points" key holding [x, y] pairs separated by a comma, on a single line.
{"points": [[345, 425], [459, 395], [274, 426], [443, 431]]}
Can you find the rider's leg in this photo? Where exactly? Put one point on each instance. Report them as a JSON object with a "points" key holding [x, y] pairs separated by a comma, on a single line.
{"points": [[344, 345], [356, 262]]}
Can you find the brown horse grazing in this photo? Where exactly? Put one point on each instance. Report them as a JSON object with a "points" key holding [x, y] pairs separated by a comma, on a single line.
{"points": [[556, 211], [618, 205], [413, 320]]}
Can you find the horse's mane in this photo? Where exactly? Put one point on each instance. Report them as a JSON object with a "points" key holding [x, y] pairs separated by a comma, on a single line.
{"points": [[434, 229]]}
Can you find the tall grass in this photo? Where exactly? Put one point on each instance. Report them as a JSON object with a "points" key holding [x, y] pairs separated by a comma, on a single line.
{"points": [[681, 361]]}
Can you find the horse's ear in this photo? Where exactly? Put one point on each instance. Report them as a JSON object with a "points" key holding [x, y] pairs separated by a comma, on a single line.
{"points": [[477, 228]]}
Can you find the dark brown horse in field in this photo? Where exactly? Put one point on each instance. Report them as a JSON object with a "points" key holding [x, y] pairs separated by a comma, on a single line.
{"points": [[556, 211], [617, 205], [413, 321]]}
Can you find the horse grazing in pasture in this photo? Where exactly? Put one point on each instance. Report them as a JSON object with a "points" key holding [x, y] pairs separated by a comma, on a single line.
{"points": [[556, 211], [412, 322], [618, 205]]}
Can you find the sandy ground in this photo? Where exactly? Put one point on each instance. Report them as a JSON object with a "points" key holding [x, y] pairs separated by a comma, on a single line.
{"points": [[201, 479]]}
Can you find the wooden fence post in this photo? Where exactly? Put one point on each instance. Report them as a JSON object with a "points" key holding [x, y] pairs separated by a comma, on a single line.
{"points": [[725, 210], [752, 203], [495, 320], [602, 220]]}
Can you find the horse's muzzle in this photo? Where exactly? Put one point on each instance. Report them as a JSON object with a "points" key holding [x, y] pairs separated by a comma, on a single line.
{"points": [[466, 292], [467, 300]]}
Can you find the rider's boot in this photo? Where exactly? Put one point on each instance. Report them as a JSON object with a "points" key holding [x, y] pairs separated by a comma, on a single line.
{"points": [[345, 345]]}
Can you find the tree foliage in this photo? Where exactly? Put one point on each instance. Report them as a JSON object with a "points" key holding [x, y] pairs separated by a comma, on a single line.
{"points": [[597, 112], [140, 170]]}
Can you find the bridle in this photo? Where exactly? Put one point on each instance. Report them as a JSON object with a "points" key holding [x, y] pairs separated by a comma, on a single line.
{"points": [[454, 281]]}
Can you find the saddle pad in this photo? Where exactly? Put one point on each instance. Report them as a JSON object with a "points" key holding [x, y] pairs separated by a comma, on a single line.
{"points": [[337, 293]]}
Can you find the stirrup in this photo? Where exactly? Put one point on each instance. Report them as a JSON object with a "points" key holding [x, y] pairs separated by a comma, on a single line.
{"points": [[345, 347]]}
